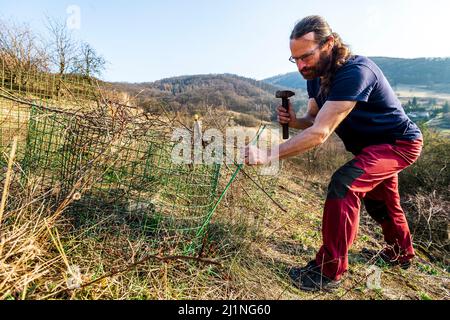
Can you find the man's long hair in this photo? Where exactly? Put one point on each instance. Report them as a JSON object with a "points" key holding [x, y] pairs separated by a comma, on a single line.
{"points": [[340, 53]]}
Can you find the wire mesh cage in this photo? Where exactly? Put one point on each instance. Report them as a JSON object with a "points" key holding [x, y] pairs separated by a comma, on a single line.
{"points": [[123, 172], [111, 162]]}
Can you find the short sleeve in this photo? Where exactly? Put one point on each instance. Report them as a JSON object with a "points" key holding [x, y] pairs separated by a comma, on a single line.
{"points": [[353, 83]]}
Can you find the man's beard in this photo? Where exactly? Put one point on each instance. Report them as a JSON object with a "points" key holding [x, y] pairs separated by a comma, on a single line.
{"points": [[319, 69]]}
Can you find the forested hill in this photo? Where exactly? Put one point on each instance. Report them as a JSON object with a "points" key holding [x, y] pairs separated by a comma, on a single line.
{"points": [[194, 93], [433, 73]]}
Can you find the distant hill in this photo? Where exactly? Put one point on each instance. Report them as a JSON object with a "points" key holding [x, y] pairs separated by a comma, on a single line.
{"points": [[193, 93], [289, 80], [432, 73]]}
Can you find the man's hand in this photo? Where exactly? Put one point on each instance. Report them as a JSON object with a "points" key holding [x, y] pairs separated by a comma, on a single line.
{"points": [[285, 117], [254, 156]]}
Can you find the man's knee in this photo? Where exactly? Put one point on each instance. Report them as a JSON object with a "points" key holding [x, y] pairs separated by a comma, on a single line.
{"points": [[376, 209], [342, 180]]}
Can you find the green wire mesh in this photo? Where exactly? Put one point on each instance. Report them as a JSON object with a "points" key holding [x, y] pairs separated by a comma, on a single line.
{"points": [[109, 167], [126, 174]]}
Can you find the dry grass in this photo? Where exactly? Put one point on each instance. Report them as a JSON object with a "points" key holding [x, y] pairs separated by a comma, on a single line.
{"points": [[27, 262], [45, 254]]}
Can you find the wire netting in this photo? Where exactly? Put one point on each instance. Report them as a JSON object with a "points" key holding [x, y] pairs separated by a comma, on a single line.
{"points": [[66, 88], [111, 160]]}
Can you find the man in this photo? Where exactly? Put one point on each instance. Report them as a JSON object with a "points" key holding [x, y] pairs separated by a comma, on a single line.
{"points": [[348, 95]]}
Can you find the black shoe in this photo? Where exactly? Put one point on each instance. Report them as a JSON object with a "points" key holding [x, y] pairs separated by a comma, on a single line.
{"points": [[369, 254], [311, 279], [295, 273]]}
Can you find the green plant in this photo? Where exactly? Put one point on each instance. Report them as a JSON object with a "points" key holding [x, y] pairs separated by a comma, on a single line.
{"points": [[424, 296]]}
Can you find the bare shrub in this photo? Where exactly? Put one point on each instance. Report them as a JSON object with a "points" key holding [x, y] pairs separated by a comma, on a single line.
{"points": [[428, 216], [425, 189]]}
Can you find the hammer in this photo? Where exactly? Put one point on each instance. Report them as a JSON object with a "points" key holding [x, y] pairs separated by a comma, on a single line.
{"points": [[285, 95]]}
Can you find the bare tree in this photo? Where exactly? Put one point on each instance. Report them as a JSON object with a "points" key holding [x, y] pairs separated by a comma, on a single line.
{"points": [[20, 52], [63, 47], [88, 62]]}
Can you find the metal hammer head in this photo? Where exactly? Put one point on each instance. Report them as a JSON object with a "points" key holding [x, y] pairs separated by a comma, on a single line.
{"points": [[284, 94]]}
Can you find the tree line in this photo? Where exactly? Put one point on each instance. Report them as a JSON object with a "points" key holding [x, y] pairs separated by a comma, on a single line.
{"points": [[195, 94]]}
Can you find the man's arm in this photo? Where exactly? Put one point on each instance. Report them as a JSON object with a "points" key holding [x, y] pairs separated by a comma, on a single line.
{"points": [[325, 123], [301, 123], [307, 120]]}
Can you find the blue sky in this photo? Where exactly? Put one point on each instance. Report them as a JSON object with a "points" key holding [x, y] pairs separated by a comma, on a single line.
{"points": [[150, 40]]}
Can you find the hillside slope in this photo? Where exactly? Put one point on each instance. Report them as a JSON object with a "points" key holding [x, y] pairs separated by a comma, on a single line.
{"points": [[432, 73], [194, 93], [250, 240]]}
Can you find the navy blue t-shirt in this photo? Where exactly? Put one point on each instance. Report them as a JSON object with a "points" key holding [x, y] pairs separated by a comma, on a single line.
{"points": [[378, 116]]}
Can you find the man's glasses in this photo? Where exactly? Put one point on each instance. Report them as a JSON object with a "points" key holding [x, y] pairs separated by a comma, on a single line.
{"points": [[307, 56]]}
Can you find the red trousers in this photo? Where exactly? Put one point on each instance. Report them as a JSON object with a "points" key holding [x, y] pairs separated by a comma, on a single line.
{"points": [[372, 176]]}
